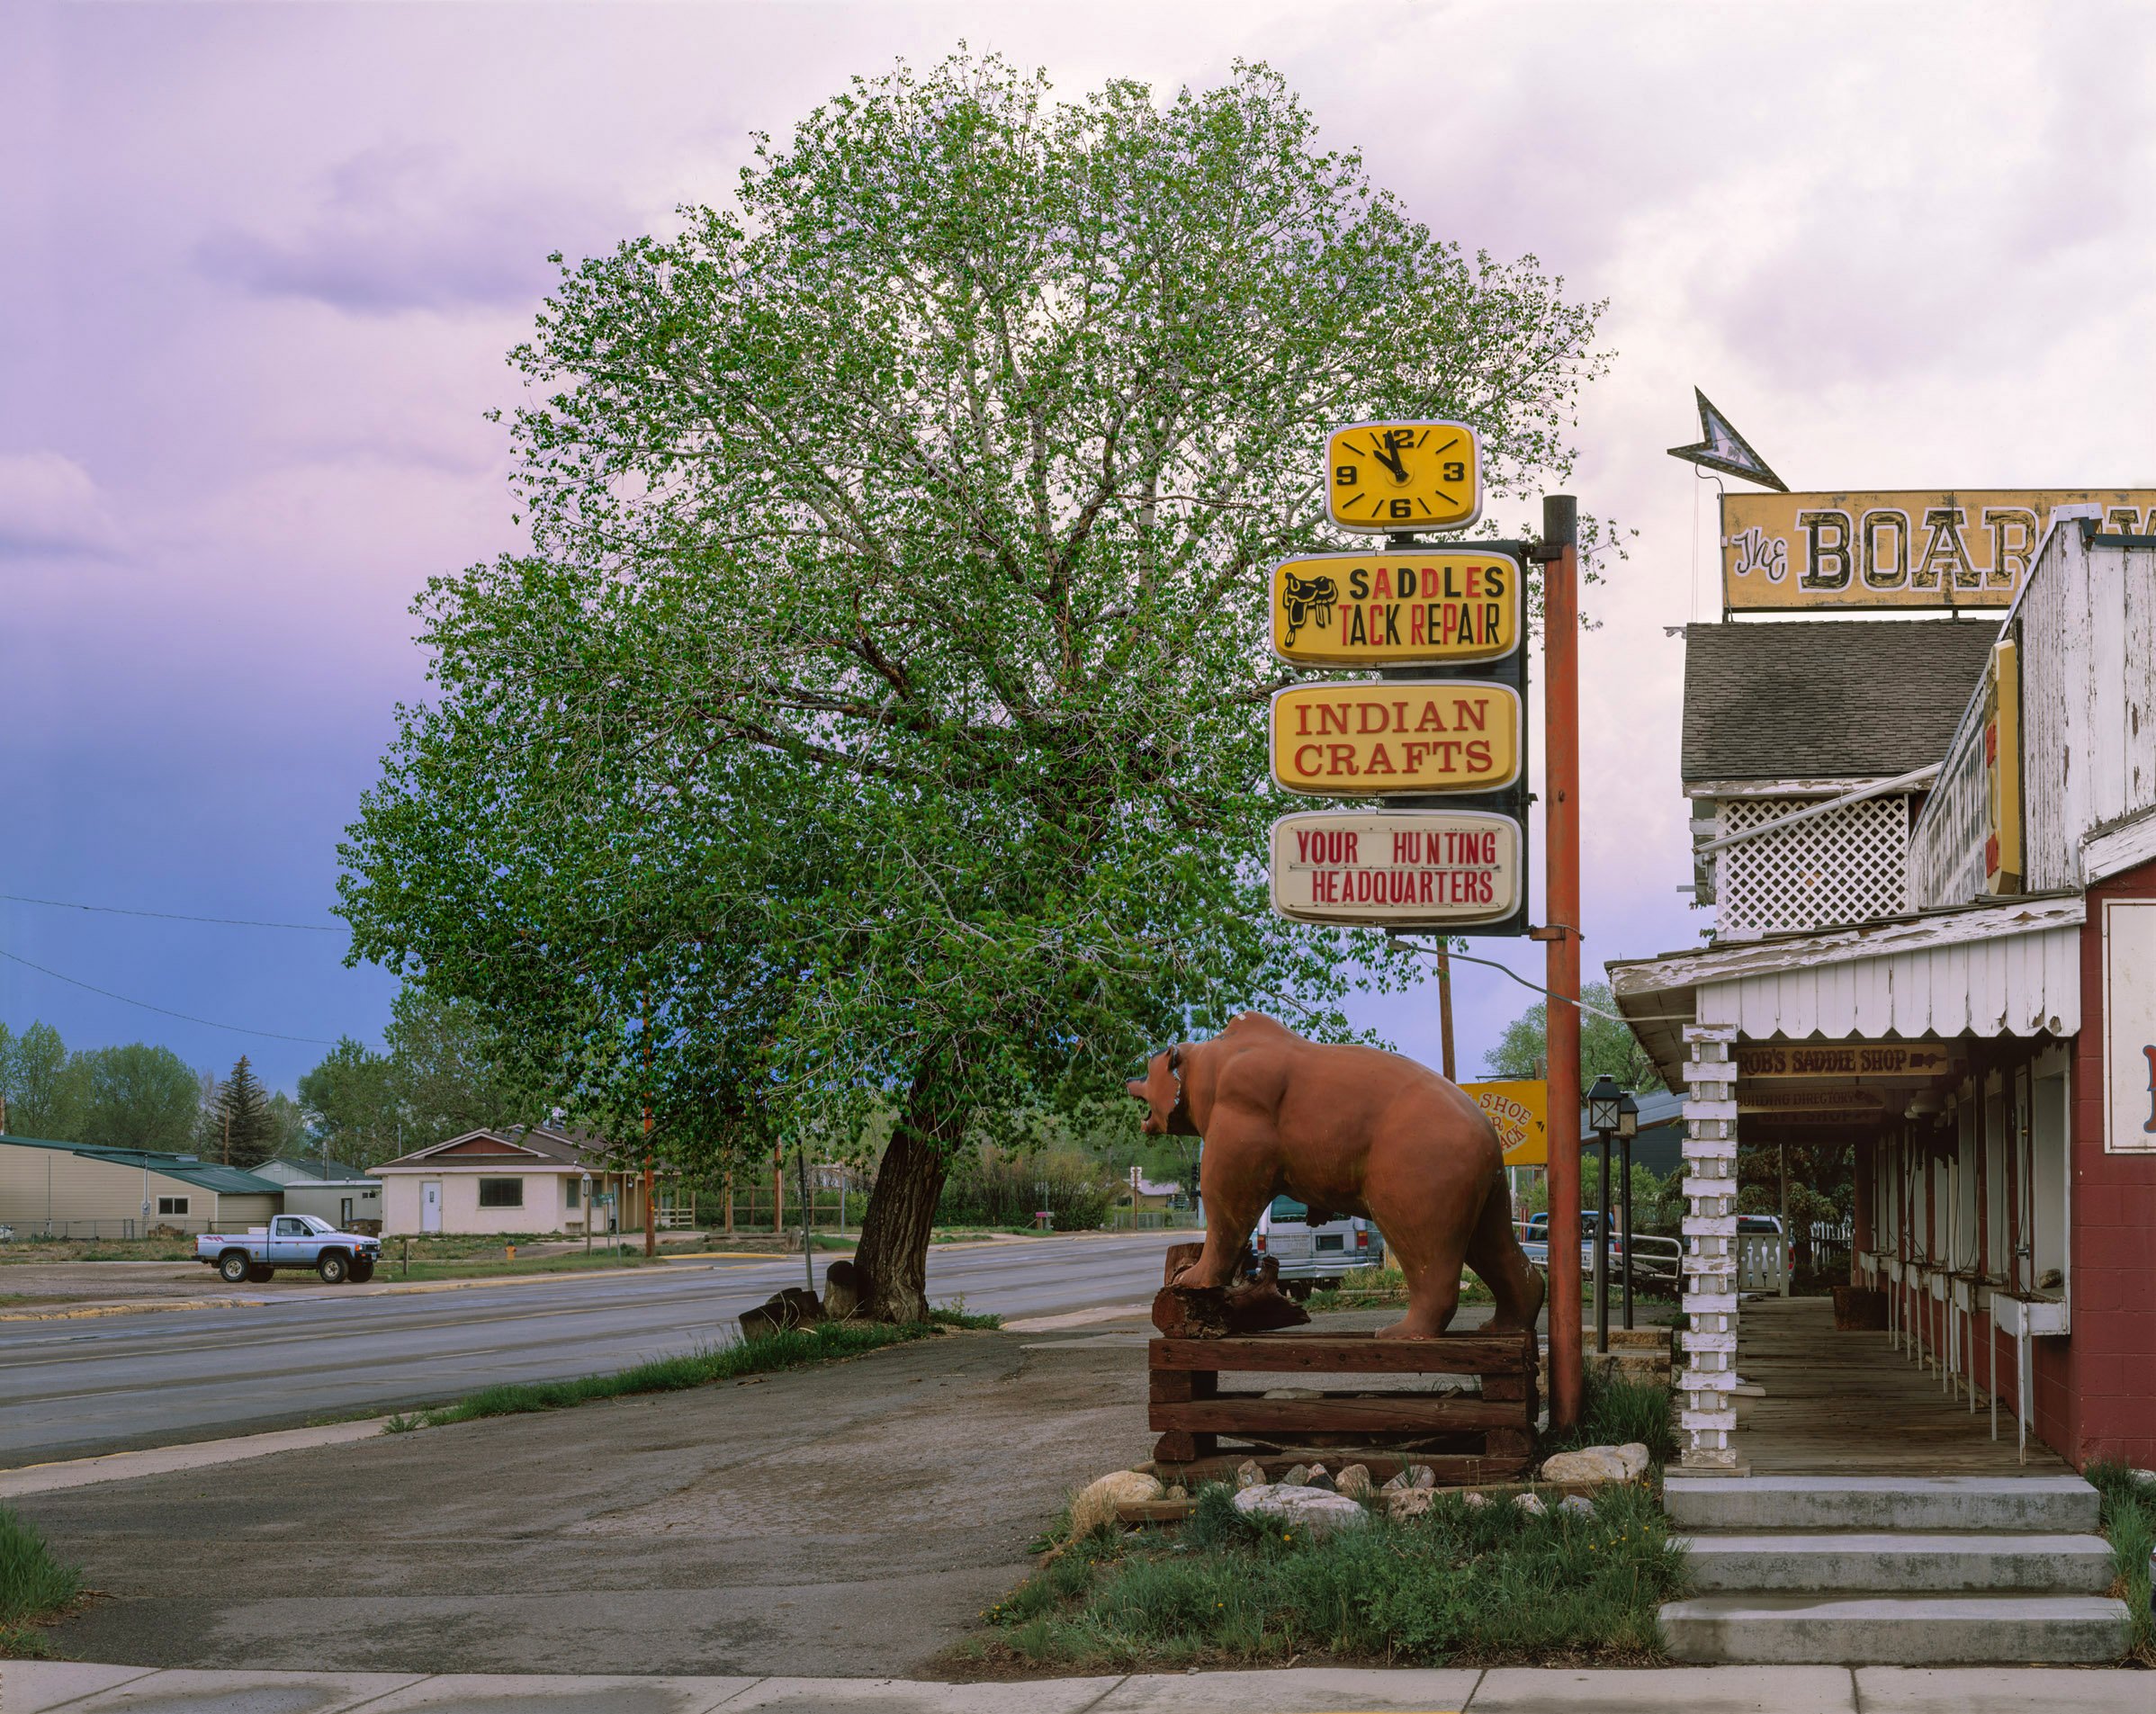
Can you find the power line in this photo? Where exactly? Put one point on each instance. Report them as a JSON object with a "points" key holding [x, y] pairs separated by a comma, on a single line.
{"points": [[211, 1023], [174, 916], [1502, 970]]}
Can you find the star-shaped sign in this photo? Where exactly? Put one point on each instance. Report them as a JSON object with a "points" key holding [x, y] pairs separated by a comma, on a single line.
{"points": [[1722, 448]]}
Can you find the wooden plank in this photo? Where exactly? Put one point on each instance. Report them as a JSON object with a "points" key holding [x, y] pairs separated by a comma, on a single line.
{"points": [[1452, 1470], [1371, 1413], [1180, 1446], [1181, 1386], [1305, 1353]]}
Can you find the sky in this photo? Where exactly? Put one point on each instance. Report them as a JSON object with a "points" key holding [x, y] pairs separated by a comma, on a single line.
{"points": [[260, 265]]}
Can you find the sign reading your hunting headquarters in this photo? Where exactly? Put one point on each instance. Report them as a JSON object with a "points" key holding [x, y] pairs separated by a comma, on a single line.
{"points": [[1442, 732]]}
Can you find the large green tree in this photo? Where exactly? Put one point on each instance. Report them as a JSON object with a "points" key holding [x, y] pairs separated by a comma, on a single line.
{"points": [[878, 718], [139, 1096], [241, 1129], [45, 1093], [1605, 1045]]}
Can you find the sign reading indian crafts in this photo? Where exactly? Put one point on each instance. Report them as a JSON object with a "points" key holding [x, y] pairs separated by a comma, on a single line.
{"points": [[1396, 609], [1406, 866], [1970, 548], [1518, 1110], [1843, 1059], [1376, 739]]}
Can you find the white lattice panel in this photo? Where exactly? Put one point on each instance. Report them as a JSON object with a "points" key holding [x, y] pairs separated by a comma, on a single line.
{"points": [[1850, 864]]}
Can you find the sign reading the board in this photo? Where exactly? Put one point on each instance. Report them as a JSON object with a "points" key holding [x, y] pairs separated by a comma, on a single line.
{"points": [[1377, 740], [1966, 549], [1518, 1110], [1843, 1059], [1396, 609], [1397, 478], [1403, 867]]}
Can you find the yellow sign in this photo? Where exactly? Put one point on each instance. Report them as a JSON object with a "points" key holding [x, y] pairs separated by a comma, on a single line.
{"points": [[1399, 478], [2002, 770], [1519, 1111], [1375, 740], [1967, 549], [1400, 867], [1386, 609]]}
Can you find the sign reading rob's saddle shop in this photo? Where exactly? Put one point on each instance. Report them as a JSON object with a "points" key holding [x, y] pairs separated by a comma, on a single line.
{"points": [[1968, 547], [1396, 609], [1382, 740]]}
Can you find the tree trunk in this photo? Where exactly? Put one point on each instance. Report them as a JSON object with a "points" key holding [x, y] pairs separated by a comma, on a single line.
{"points": [[893, 1250]]}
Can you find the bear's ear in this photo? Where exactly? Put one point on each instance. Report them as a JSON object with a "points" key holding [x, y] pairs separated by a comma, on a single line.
{"points": [[1175, 1058]]}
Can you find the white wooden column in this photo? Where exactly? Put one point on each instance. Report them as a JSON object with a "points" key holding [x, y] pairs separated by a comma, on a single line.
{"points": [[1707, 1413]]}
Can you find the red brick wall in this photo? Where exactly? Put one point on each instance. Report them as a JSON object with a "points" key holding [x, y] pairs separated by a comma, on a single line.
{"points": [[2096, 1393]]}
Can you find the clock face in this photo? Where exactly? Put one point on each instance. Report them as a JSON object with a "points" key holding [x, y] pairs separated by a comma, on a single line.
{"points": [[1400, 478]]}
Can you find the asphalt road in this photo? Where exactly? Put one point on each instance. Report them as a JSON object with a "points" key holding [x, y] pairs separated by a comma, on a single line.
{"points": [[72, 1389]]}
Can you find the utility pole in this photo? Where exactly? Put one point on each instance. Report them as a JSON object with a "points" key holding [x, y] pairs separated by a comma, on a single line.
{"points": [[1559, 557], [1444, 1011]]}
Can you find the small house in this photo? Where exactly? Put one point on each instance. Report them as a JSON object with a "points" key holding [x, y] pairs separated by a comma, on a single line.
{"points": [[524, 1179], [85, 1190]]}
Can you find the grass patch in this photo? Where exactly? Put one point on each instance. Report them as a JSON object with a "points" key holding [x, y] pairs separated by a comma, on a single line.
{"points": [[1459, 1585], [35, 1588], [955, 1314], [2129, 1524], [792, 1350], [1617, 1412], [1381, 1287]]}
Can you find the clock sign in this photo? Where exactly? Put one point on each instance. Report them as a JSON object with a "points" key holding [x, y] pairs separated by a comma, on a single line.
{"points": [[1403, 478]]}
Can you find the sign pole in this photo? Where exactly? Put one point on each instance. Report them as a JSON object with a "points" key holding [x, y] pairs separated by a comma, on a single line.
{"points": [[1444, 1010], [1560, 721]]}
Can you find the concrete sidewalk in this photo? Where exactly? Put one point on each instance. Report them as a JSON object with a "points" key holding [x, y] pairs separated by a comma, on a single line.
{"points": [[31, 1687]]}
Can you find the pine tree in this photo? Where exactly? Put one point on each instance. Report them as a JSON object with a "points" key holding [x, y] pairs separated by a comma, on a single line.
{"points": [[246, 1131]]}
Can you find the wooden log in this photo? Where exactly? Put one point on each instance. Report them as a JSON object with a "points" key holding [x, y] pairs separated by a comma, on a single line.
{"points": [[1343, 1354], [1372, 1412], [1180, 1256], [1180, 1446], [1214, 1313], [1452, 1470], [1155, 1511]]}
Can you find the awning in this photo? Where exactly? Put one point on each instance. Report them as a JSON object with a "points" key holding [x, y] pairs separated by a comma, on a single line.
{"points": [[1985, 970]]}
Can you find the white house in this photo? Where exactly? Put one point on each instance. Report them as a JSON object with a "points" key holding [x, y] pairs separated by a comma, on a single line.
{"points": [[525, 1179]]}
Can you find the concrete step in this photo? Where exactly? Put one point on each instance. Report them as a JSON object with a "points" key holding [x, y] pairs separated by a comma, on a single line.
{"points": [[1947, 1563], [1894, 1630], [1998, 1504]]}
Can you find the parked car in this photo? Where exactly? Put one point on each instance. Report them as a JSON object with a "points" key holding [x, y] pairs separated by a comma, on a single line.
{"points": [[1655, 1262], [1314, 1258], [290, 1241]]}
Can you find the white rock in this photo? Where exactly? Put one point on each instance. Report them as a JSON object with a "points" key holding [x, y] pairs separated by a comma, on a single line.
{"points": [[1096, 1504], [1425, 1476], [1531, 1504], [1636, 1457], [1590, 1464], [1249, 1474], [1409, 1502], [1475, 1502], [1395, 1484], [1355, 1482], [1314, 1509], [1578, 1505]]}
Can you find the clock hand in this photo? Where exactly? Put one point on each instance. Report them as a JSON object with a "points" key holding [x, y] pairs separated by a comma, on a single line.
{"points": [[1388, 455]]}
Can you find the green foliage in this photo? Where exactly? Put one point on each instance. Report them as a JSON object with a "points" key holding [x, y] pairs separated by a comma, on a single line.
{"points": [[995, 1190], [2129, 1522], [792, 1349], [437, 1077], [1617, 1412], [880, 715], [1604, 1045], [238, 1128], [34, 1586], [133, 1096], [1459, 1583], [955, 1314]]}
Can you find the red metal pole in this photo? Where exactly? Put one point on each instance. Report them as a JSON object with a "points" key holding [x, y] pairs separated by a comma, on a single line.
{"points": [[1560, 859]]}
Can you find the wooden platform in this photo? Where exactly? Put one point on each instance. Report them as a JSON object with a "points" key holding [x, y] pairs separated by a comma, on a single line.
{"points": [[1491, 1429], [1850, 1405]]}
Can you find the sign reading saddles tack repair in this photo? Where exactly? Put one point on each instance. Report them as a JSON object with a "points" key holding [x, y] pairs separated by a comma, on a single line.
{"points": [[1404, 866], [1968, 548], [1379, 740], [1392, 609]]}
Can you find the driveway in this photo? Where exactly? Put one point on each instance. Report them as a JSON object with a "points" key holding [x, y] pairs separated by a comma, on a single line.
{"points": [[845, 1520]]}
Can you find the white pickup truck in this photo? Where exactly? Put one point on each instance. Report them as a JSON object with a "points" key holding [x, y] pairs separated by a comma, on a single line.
{"points": [[290, 1241]]}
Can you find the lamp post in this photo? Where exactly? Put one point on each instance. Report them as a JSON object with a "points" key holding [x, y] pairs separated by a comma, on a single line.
{"points": [[1628, 1127], [1604, 1103]]}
